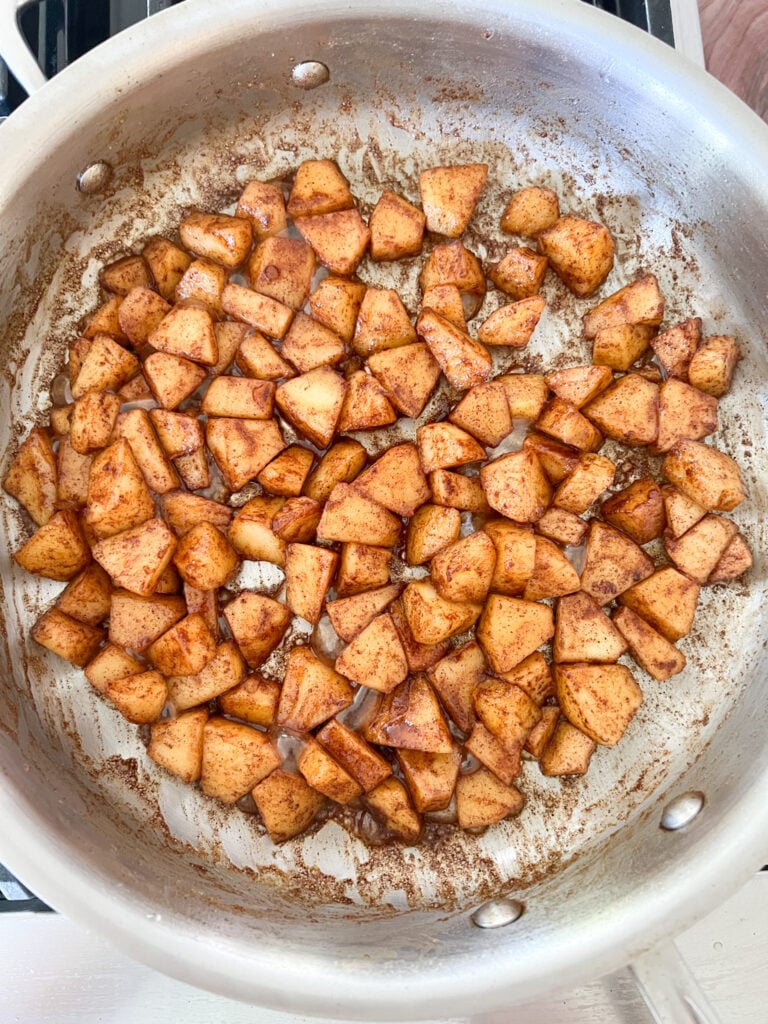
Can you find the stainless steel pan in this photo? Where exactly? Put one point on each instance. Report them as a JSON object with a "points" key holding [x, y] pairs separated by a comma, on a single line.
{"points": [[186, 107]]}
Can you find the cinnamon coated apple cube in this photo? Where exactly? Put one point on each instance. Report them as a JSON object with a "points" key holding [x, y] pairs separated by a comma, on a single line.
{"points": [[699, 550], [431, 618], [105, 320], [287, 804], [382, 323], [410, 718], [676, 346], [312, 403], [32, 476], [60, 417], [312, 692], [204, 557], [420, 656], [442, 445], [430, 778], [612, 564], [340, 465], [339, 239], [167, 263], [350, 615], [229, 337], [282, 268], [408, 374], [510, 629], [193, 469], [579, 384], [172, 379], [620, 346], [242, 448], [533, 676], [297, 520], [580, 252], [640, 302], [397, 228], [239, 397], [520, 273], [183, 511], [390, 802], [218, 237], [454, 490], [449, 196], [76, 354], [590, 477], [255, 700], [684, 412], [513, 324], [707, 476], [362, 567], [309, 344], [464, 361], [263, 205], [224, 670], [139, 314], [563, 421], [236, 757], [530, 211], [666, 600], [185, 649], [140, 698], [463, 570], [260, 311], [367, 767], [375, 658], [568, 752], [515, 556], [105, 367], [309, 571], [735, 560], [335, 302], [455, 678], [712, 365], [176, 744], [200, 602], [563, 527], [628, 411], [681, 512], [653, 652], [446, 300], [637, 510], [112, 662], [542, 732], [72, 640], [203, 285], [454, 264], [258, 624], [73, 471], [482, 800], [505, 763], [600, 700], [366, 405], [484, 413], [431, 528], [186, 331], [351, 517], [583, 632], [88, 596], [557, 459], [256, 357], [136, 427], [137, 558], [526, 393], [125, 273], [517, 486], [396, 480], [57, 550], [286, 474], [506, 711], [319, 187], [134, 621], [325, 775]]}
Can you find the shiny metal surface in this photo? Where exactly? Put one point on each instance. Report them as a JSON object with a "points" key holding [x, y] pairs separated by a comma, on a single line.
{"points": [[549, 92]]}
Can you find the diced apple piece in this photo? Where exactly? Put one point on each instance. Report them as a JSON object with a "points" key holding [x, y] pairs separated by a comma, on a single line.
{"points": [[282, 268], [583, 632], [32, 476], [138, 557], [464, 361], [463, 571], [204, 557], [325, 775], [375, 658], [706, 475], [340, 464], [236, 758], [563, 421], [70, 639], [699, 550], [382, 323], [432, 528], [185, 649], [183, 511], [442, 445], [105, 367], [640, 302], [356, 757], [454, 264], [526, 393], [287, 804], [224, 670], [397, 228], [229, 338], [105, 320], [628, 411], [239, 397], [177, 744], [88, 597], [530, 211], [510, 629], [449, 196], [251, 532], [349, 516], [264, 206], [684, 413], [312, 692], [366, 405], [202, 286], [57, 550], [297, 520], [255, 700], [257, 623], [390, 801], [200, 602], [286, 474], [339, 239], [653, 652], [396, 480], [118, 497], [73, 472], [612, 564], [167, 263], [542, 732], [431, 618], [675, 347], [557, 460], [580, 252], [125, 273], [309, 344], [134, 621], [520, 274], [579, 384], [666, 600], [362, 567], [420, 657], [218, 237], [430, 778], [186, 332], [638, 510], [242, 448], [503, 762], [517, 486], [194, 470], [410, 718], [260, 311], [312, 403], [589, 478], [506, 711], [533, 676], [621, 345], [319, 187], [568, 752], [408, 374], [735, 560], [453, 490], [308, 574], [335, 302], [482, 799], [455, 678], [484, 413], [136, 427], [513, 324], [140, 698], [171, 378], [257, 358], [600, 700], [112, 662], [562, 527], [515, 556], [140, 312], [446, 300], [711, 368], [350, 615]]}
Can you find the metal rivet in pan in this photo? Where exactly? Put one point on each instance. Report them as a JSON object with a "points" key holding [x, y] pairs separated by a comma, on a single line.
{"points": [[497, 913], [94, 177], [309, 74], [681, 811]]}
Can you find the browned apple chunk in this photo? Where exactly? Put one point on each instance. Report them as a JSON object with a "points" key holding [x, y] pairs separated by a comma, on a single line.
{"points": [[431, 618], [463, 570], [590, 477], [526, 394], [312, 692], [442, 445], [455, 678], [137, 558], [684, 412], [203, 285], [557, 460], [229, 338], [287, 804], [430, 778], [506, 711], [562, 527], [408, 374], [325, 775], [366, 405], [375, 658], [70, 639], [513, 324], [308, 574], [390, 802], [224, 670], [282, 268], [712, 365], [257, 623], [464, 361], [580, 252], [382, 323], [640, 302], [358, 758], [579, 384], [134, 621], [240, 398], [335, 302], [517, 486], [410, 718], [653, 652], [621, 345], [339, 239], [309, 344], [106, 366], [397, 228], [446, 300], [568, 752], [350, 615], [88, 596], [257, 358], [533, 676], [297, 519], [628, 411], [666, 600], [600, 700], [172, 379], [484, 413], [264, 206], [520, 273], [167, 263], [185, 649], [454, 264], [553, 575], [260, 311], [542, 732], [139, 698], [515, 556], [118, 497], [681, 511], [204, 557], [125, 273], [57, 550], [505, 763], [255, 700], [482, 799], [136, 427], [432, 528], [735, 560], [530, 211], [139, 314], [217, 236], [242, 448], [454, 490], [420, 656], [638, 510], [312, 403], [202, 602], [183, 511], [187, 332], [704, 474], [612, 564], [286, 474], [675, 347], [396, 479], [583, 632], [699, 550], [105, 320], [510, 629], [349, 516], [362, 567], [236, 758], [73, 472], [319, 187], [176, 744], [340, 465], [564, 422], [449, 196], [32, 476]]}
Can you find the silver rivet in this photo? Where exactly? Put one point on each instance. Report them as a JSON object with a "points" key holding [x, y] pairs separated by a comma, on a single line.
{"points": [[309, 74], [497, 913], [681, 811], [94, 177]]}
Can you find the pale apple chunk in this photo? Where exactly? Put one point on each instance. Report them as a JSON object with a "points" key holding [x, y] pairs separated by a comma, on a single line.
{"points": [[515, 556], [309, 344], [568, 752], [204, 557], [186, 331], [557, 460], [218, 237], [358, 758], [589, 478], [443, 445], [139, 314], [375, 658], [530, 211], [224, 670], [699, 550], [711, 368], [396, 479], [177, 744], [584, 633], [319, 187], [520, 274], [106, 366], [73, 471], [60, 419], [513, 324], [134, 621], [464, 361], [282, 268], [637, 510], [684, 413], [676, 347], [350, 615], [735, 560], [136, 427], [229, 338], [325, 775], [125, 273], [260, 311], [600, 700], [118, 497], [563, 527], [339, 239], [653, 652], [112, 662], [242, 448], [312, 692], [517, 486], [482, 800], [340, 465], [251, 532], [263, 205], [620, 346], [446, 300], [88, 596], [506, 711], [579, 384], [167, 263], [397, 228], [484, 413], [455, 678], [256, 358], [258, 624], [70, 639], [308, 574], [449, 196], [431, 618], [202, 286], [420, 657], [533, 676], [580, 252], [382, 323], [390, 802], [410, 718], [542, 732], [183, 511], [287, 804], [453, 490], [505, 763], [510, 629], [408, 374], [362, 567], [335, 302], [666, 600], [286, 474], [612, 563], [172, 379], [430, 778], [707, 476], [140, 698], [185, 649], [312, 403], [526, 393], [454, 264], [640, 302], [236, 758], [463, 571], [351, 517], [366, 405], [138, 557], [57, 550], [628, 411], [255, 700], [32, 476], [563, 421], [431, 528], [240, 398]]}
